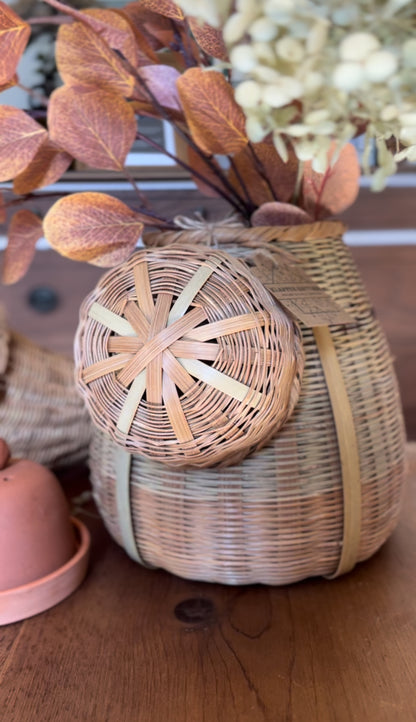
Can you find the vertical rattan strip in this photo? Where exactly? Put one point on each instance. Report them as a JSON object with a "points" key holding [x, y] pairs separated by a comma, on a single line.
{"points": [[123, 503], [348, 450]]}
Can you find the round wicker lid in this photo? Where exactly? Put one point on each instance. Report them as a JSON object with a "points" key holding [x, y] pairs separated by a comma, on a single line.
{"points": [[184, 357]]}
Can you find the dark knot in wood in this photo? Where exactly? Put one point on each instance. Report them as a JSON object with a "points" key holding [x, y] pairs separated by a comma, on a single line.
{"points": [[195, 611]]}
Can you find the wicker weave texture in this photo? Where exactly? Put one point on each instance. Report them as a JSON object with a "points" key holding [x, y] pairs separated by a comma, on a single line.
{"points": [[42, 416], [277, 517], [185, 358]]}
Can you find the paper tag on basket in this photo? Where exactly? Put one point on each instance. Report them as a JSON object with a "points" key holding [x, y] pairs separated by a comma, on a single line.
{"points": [[295, 290]]}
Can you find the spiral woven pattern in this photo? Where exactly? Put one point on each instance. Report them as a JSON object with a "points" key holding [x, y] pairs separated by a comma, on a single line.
{"points": [[184, 357], [277, 517]]}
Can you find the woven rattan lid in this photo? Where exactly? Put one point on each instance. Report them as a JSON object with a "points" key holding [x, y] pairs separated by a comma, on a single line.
{"points": [[184, 357]]}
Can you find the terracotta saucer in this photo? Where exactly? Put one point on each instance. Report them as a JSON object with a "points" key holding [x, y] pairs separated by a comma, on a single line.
{"points": [[37, 596]]}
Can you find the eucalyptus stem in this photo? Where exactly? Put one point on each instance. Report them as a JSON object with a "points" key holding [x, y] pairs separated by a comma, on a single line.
{"points": [[298, 186], [36, 114], [132, 180], [187, 56], [241, 181], [144, 211], [239, 203], [30, 196], [50, 20], [318, 207], [192, 171], [39, 97]]}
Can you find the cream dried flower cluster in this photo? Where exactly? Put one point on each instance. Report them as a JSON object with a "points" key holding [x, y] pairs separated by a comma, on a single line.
{"points": [[315, 72]]}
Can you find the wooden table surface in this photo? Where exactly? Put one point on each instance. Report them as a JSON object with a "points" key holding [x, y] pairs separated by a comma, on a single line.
{"points": [[135, 645]]}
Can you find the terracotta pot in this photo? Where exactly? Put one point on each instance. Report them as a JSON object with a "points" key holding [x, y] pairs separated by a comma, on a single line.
{"points": [[43, 553]]}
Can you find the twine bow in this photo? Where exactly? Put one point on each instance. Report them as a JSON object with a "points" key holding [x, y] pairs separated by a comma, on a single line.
{"points": [[213, 236], [198, 222]]}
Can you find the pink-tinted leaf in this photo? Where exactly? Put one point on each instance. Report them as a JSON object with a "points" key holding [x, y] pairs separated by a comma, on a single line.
{"points": [[279, 214], [161, 80], [20, 138], [97, 127], [327, 194], [45, 168], [93, 227], [25, 229]]}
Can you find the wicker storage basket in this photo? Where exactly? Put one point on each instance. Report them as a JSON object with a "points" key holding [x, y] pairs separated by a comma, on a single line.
{"points": [[293, 509], [41, 414]]}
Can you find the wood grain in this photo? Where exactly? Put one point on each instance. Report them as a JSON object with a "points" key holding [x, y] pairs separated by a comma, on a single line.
{"points": [[317, 651]]}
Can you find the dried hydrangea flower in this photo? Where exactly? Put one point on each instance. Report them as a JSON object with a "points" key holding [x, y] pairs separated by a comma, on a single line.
{"points": [[313, 72]]}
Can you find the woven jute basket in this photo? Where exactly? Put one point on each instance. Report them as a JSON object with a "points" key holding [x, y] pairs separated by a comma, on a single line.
{"points": [[41, 414], [324, 494]]}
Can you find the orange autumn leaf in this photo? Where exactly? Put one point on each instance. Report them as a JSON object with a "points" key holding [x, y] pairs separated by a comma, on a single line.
{"points": [[110, 25], [145, 52], [83, 57], [259, 160], [209, 39], [20, 138], [153, 31], [14, 35], [25, 229], [45, 168], [93, 227], [167, 8], [97, 127], [116, 31], [216, 122], [327, 194]]}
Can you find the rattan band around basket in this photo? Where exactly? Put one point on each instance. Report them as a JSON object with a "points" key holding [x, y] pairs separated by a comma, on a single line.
{"points": [[278, 516], [348, 451], [184, 357]]}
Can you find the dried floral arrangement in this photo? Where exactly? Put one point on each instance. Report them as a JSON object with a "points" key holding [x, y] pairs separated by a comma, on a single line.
{"points": [[265, 97]]}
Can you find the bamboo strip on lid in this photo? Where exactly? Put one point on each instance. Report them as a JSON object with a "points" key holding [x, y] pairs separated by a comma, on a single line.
{"points": [[184, 357]]}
